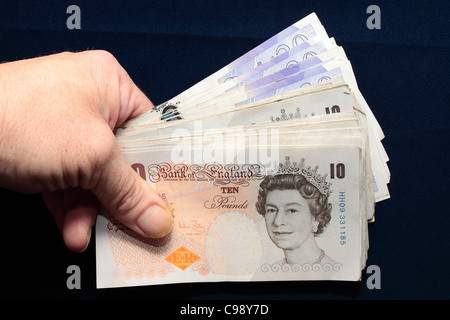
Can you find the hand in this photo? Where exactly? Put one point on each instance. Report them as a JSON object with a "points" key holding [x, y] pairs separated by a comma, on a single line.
{"points": [[57, 116]]}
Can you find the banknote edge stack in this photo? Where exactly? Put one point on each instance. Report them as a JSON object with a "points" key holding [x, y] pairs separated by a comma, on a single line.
{"points": [[300, 66]]}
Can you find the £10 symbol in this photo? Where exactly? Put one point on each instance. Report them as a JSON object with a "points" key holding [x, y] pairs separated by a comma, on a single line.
{"points": [[337, 170]]}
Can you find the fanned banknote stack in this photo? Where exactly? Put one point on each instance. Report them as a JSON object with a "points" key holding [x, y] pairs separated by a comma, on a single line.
{"points": [[271, 168]]}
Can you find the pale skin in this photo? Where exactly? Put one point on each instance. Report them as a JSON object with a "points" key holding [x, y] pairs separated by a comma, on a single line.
{"points": [[290, 226], [57, 116]]}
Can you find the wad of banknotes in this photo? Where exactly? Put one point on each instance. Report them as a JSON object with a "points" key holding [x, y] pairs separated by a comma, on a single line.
{"points": [[271, 168]]}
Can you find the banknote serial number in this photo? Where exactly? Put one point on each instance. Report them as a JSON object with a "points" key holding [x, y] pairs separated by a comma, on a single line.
{"points": [[229, 309], [342, 219]]}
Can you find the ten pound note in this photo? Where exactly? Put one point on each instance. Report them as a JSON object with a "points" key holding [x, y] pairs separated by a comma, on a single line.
{"points": [[299, 219], [270, 168]]}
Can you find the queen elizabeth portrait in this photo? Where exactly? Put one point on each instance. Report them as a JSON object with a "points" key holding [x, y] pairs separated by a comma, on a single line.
{"points": [[295, 207]]}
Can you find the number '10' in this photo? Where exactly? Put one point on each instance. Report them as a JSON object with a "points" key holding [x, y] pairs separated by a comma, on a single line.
{"points": [[337, 170]]}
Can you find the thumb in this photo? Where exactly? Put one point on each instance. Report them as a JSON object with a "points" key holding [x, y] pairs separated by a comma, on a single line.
{"points": [[131, 200]]}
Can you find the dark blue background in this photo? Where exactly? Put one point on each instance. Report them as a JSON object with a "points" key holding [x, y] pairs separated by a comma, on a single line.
{"points": [[167, 46]]}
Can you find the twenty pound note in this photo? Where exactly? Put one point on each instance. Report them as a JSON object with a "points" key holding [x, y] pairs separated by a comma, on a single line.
{"points": [[299, 218]]}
